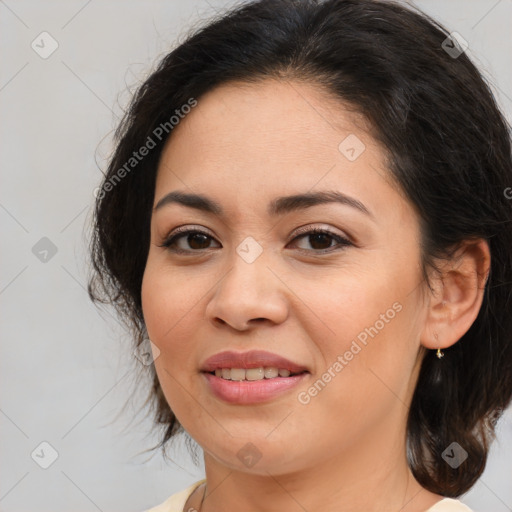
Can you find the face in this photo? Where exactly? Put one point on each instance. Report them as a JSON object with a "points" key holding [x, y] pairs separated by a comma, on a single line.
{"points": [[344, 305]]}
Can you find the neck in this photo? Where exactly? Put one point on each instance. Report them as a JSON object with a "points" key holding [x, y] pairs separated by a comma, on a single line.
{"points": [[372, 476]]}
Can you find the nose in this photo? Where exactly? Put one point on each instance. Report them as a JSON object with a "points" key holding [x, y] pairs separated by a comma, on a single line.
{"points": [[248, 294]]}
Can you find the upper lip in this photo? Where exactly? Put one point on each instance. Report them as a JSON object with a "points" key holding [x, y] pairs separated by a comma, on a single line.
{"points": [[250, 359]]}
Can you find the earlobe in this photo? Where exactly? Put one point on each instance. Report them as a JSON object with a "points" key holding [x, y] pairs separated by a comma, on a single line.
{"points": [[457, 297]]}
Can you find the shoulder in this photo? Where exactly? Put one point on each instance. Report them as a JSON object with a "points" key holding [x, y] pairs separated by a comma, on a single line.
{"points": [[449, 505], [176, 502]]}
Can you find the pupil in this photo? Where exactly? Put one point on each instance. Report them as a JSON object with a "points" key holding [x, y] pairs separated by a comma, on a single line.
{"points": [[318, 241], [318, 237], [193, 237]]}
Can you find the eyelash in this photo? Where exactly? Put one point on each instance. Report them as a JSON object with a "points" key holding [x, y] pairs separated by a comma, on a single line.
{"points": [[342, 242]]}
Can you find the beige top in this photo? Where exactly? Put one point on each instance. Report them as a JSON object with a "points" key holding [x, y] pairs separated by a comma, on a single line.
{"points": [[177, 501]]}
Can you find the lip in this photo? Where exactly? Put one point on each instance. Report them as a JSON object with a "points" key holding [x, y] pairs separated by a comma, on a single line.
{"points": [[251, 392], [250, 359]]}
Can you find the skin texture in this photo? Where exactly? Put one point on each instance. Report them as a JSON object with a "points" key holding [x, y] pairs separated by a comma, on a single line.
{"points": [[244, 145]]}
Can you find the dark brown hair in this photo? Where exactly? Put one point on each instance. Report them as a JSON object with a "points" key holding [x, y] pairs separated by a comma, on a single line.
{"points": [[449, 152]]}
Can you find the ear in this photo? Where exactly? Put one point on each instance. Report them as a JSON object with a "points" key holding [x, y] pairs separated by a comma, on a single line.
{"points": [[458, 295]]}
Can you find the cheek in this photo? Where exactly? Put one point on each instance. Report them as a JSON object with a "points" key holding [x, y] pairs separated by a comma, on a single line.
{"points": [[169, 307], [168, 314], [156, 302], [370, 319], [351, 305]]}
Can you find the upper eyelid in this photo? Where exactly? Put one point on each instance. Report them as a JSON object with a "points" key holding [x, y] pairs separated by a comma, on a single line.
{"points": [[301, 230]]}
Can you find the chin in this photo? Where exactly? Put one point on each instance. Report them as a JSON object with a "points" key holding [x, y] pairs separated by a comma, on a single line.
{"points": [[258, 456]]}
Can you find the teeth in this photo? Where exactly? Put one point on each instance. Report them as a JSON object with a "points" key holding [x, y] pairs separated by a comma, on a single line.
{"points": [[270, 373], [251, 373], [254, 374], [237, 373]]}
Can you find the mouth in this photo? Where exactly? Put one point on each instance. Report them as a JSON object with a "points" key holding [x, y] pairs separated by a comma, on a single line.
{"points": [[251, 377], [253, 374]]}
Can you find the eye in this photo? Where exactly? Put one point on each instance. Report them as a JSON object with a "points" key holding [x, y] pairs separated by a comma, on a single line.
{"points": [[197, 240], [321, 239]]}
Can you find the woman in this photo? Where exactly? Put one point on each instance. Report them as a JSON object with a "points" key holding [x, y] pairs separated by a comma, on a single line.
{"points": [[307, 215]]}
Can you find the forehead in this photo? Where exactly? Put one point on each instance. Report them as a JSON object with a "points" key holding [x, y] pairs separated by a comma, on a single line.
{"points": [[284, 120], [271, 138]]}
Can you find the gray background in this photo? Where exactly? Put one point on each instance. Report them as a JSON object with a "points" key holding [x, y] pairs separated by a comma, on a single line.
{"points": [[66, 369]]}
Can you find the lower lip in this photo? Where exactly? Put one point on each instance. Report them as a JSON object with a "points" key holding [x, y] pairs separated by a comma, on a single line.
{"points": [[251, 391]]}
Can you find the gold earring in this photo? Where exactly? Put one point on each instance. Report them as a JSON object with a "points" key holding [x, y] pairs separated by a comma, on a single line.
{"points": [[439, 353]]}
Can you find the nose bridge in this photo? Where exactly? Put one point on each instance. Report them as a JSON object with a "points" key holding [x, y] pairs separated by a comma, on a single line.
{"points": [[248, 273], [249, 290]]}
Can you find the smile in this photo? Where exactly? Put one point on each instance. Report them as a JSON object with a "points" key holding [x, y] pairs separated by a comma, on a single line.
{"points": [[252, 377], [247, 392], [251, 373]]}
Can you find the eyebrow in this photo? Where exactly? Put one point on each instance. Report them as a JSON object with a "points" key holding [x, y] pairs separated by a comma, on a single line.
{"points": [[276, 207]]}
